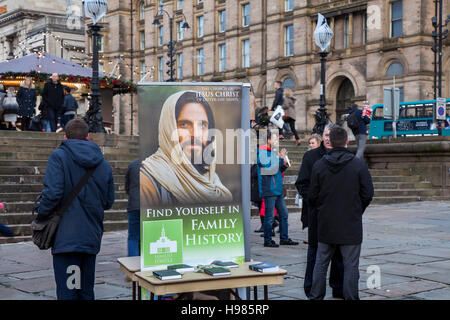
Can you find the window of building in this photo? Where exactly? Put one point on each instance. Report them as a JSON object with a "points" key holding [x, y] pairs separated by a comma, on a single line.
{"points": [[200, 62], [179, 4], [180, 66], [288, 5], [142, 68], [200, 20], [222, 21], [289, 40], [396, 19], [141, 40], [364, 27], [161, 69], [160, 35], [289, 83], [180, 30], [346, 32], [394, 69], [222, 58], [246, 53], [142, 11], [246, 15], [160, 7]]}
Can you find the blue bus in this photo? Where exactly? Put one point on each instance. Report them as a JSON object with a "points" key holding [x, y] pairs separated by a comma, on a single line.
{"points": [[415, 119]]}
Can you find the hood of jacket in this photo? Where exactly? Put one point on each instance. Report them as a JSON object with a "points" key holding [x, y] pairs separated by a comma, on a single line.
{"points": [[338, 158], [85, 153]]}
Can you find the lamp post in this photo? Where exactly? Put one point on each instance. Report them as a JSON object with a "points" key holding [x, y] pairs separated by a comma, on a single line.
{"points": [[95, 9], [322, 35], [171, 45]]}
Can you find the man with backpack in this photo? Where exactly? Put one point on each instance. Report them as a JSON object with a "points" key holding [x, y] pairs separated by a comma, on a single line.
{"points": [[79, 233], [358, 122]]}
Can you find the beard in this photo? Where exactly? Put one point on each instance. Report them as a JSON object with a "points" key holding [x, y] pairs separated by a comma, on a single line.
{"points": [[196, 156]]}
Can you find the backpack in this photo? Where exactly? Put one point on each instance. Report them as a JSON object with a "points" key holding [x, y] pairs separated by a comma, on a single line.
{"points": [[352, 121]]}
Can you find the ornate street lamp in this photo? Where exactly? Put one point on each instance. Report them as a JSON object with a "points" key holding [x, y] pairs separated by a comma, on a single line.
{"points": [[95, 9], [171, 45], [322, 35]]}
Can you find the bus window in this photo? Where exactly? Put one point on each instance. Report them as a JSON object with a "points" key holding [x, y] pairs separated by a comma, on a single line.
{"points": [[378, 114]]}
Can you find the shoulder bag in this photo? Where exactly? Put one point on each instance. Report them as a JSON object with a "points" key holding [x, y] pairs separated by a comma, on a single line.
{"points": [[43, 232]]}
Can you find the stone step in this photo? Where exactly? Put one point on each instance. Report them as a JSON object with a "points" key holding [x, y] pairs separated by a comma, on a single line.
{"points": [[391, 200], [406, 192], [38, 179], [398, 179], [20, 207], [36, 148], [43, 163], [36, 188], [40, 169], [17, 239], [31, 196], [10, 219], [390, 172], [402, 185], [25, 230], [44, 156]]}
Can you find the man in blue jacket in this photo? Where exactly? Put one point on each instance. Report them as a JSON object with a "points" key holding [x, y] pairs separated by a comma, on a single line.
{"points": [[78, 238], [360, 132], [270, 180]]}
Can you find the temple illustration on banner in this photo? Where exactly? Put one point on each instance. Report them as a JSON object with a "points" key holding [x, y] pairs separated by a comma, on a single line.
{"points": [[163, 244]]}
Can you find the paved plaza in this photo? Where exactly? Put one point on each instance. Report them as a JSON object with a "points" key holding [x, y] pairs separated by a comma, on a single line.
{"points": [[409, 243]]}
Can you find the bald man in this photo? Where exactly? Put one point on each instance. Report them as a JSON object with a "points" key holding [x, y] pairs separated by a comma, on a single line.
{"points": [[53, 99]]}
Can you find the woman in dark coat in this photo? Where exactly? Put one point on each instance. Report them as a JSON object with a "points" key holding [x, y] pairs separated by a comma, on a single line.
{"points": [[26, 97]]}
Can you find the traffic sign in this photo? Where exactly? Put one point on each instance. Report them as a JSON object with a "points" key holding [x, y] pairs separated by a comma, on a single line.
{"points": [[441, 113]]}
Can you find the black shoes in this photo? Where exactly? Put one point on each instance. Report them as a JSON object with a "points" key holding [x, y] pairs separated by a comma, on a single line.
{"points": [[271, 244], [288, 242]]}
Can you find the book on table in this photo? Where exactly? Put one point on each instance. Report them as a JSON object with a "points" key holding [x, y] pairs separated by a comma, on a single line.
{"points": [[226, 264], [181, 268], [264, 267], [167, 274], [217, 271]]}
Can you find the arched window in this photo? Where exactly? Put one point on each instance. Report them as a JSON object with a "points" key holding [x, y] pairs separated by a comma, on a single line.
{"points": [[142, 11], [395, 69], [289, 83]]}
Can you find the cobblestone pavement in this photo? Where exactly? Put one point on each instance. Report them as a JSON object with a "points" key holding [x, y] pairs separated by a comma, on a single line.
{"points": [[408, 242]]}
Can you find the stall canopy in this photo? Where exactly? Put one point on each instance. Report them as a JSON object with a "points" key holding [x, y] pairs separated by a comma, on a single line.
{"points": [[41, 66]]}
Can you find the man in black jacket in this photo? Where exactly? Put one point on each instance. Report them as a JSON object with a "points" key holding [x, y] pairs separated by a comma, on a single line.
{"points": [[309, 218], [278, 101], [361, 132], [53, 98], [341, 190]]}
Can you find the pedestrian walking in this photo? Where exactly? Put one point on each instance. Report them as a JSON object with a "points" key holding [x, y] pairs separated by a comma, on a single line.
{"points": [[10, 109], [78, 237], [341, 190], [270, 180], [309, 218], [53, 97], [278, 100], [26, 97], [357, 122], [289, 112], [133, 207], [69, 108]]}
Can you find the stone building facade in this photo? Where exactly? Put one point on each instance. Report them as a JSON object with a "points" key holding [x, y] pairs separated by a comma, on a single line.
{"points": [[260, 41], [28, 26]]}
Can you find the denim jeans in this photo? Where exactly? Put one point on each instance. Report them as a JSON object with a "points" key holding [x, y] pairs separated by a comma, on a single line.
{"points": [[336, 272], [63, 265], [361, 140], [271, 203], [65, 118], [134, 235], [5, 231], [46, 125], [53, 118]]}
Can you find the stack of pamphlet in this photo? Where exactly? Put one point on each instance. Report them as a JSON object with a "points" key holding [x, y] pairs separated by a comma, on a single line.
{"points": [[167, 274], [181, 268], [264, 267], [226, 264], [217, 271]]}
